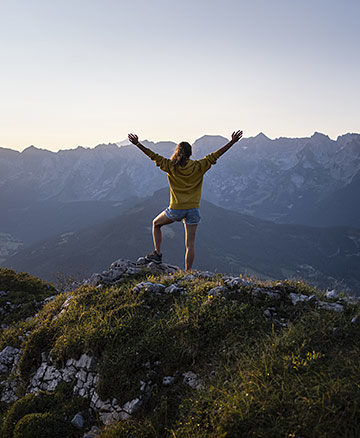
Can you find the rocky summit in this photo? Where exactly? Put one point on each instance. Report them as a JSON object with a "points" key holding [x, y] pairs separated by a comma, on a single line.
{"points": [[148, 350]]}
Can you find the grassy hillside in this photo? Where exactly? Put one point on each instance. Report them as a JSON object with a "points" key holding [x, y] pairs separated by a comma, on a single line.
{"points": [[207, 356], [21, 295]]}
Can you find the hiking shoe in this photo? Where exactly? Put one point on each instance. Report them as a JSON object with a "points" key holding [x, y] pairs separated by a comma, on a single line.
{"points": [[154, 257]]}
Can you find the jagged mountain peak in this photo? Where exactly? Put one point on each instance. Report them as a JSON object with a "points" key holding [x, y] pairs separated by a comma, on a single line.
{"points": [[107, 146], [31, 150], [208, 137], [261, 136], [319, 136], [346, 138]]}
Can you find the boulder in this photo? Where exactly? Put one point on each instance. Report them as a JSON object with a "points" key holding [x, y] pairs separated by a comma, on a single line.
{"points": [[78, 421]]}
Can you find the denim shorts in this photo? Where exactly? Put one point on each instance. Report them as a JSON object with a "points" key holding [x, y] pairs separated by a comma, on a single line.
{"points": [[188, 216]]}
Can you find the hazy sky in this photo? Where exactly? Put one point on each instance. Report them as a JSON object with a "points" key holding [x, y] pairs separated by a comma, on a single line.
{"points": [[83, 72]]}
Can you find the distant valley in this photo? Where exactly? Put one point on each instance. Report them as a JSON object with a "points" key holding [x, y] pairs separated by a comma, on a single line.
{"points": [[227, 242]]}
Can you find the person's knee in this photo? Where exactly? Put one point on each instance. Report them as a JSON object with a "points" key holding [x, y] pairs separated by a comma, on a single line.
{"points": [[156, 223]]}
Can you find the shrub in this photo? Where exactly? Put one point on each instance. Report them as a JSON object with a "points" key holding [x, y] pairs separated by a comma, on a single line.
{"points": [[60, 404], [42, 426], [26, 405]]}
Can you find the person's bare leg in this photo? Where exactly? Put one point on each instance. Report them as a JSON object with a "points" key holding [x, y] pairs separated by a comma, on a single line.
{"points": [[158, 222], [190, 233]]}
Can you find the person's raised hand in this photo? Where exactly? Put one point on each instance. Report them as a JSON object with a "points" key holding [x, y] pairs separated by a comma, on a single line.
{"points": [[133, 138], [236, 135]]}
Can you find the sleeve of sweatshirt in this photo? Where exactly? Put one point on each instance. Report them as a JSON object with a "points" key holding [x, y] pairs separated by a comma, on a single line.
{"points": [[209, 160], [160, 161]]}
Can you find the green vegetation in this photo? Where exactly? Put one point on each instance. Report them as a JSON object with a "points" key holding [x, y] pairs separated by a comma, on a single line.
{"points": [[259, 378], [41, 426], [44, 415], [23, 294]]}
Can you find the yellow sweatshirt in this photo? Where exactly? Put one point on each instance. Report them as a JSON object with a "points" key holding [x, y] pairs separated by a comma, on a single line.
{"points": [[185, 182]]}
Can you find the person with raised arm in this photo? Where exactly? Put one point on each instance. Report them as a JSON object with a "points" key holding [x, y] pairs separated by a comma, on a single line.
{"points": [[185, 178]]}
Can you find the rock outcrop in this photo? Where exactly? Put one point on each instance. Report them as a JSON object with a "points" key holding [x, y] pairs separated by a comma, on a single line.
{"points": [[83, 371]]}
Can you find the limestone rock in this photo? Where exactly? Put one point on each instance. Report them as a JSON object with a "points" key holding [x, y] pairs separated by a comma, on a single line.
{"points": [[163, 268], [94, 280], [68, 373], [233, 282], [168, 380], [9, 356], [81, 375], [191, 379], [332, 294], [70, 362], [298, 298], [78, 421], [8, 394], [150, 287], [122, 265], [175, 288], [141, 261], [330, 306], [51, 373], [122, 268], [131, 406], [124, 415], [86, 361], [51, 386]]}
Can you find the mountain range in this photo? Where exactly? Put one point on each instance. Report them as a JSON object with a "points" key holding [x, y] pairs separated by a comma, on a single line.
{"points": [[312, 180]]}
